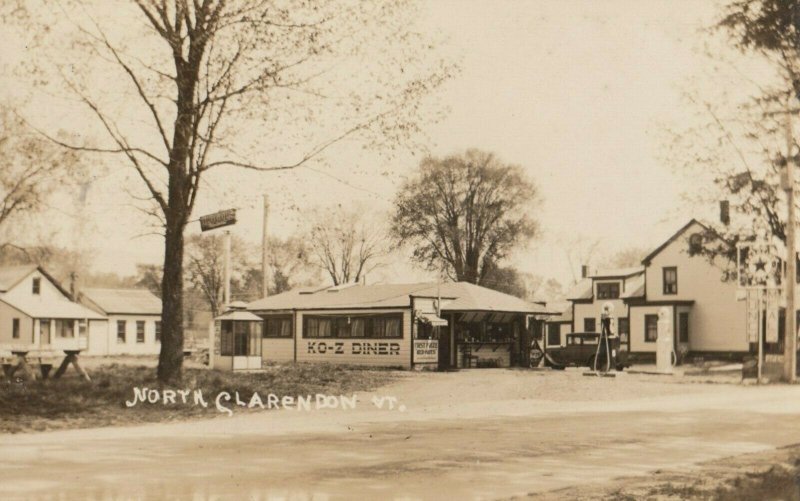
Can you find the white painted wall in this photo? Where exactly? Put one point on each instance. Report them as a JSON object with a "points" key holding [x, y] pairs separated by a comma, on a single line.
{"points": [[7, 316], [277, 349], [717, 319], [131, 347]]}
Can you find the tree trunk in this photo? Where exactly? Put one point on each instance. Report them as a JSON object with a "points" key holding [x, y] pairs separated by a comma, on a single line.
{"points": [[170, 360]]}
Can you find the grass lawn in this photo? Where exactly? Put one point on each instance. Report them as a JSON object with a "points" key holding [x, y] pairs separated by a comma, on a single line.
{"points": [[71, 402]]}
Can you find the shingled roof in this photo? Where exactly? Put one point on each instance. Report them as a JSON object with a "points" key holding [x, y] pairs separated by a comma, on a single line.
{"points": [[123, 301], [456, 296]]}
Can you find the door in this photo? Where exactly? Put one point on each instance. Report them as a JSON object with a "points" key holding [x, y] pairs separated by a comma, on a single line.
{"points": [[444, 345], [44, 332]]}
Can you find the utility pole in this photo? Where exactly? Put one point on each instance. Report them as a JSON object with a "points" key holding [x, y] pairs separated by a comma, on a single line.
{"points": [[264, 247], [790, 337], [226, 297]]}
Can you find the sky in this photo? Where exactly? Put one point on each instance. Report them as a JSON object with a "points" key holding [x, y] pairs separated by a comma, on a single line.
{"points": [[579, 93]]}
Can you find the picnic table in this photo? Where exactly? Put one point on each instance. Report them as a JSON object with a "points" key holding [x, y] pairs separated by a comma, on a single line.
{"points": [[21, 358]]}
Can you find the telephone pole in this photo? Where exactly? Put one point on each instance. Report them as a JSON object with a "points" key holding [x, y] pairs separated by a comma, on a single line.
{"points": [[264, 248], [790, 337]]}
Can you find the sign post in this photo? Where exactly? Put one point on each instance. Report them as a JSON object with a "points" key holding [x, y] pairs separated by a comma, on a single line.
{"points": [[219, 220]]}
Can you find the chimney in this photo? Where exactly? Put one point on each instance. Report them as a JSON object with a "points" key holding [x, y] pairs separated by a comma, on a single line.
{"points": [[725, 212], [584, 271]]}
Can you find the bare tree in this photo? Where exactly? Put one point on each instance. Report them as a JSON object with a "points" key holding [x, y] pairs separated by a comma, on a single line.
{"points": [[205, 266], [32, 168], [464, 213], [220, 82], [345, 244]]}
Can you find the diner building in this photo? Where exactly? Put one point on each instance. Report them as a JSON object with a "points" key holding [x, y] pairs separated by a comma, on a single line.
{"points": [[423, 325]]}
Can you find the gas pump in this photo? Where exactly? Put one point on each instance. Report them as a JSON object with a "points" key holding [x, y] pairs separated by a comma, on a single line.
{"points": [[606, 356], [665, 351]]}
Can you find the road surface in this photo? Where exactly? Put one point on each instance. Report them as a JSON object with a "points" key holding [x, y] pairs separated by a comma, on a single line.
{"points": [[479, 434]]}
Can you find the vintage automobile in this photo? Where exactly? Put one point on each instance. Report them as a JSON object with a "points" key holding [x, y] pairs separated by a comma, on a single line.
{"points": [[581, 349]]}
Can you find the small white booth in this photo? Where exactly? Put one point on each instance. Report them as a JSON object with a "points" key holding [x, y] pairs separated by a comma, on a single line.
{"points": [[237, 341]]}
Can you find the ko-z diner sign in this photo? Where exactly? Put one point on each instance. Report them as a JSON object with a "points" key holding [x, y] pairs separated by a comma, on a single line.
{"points": [[218, 219], [353, 348]]}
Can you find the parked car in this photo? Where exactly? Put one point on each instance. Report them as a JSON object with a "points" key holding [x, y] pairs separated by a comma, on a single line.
{"points": [[581, 349]]}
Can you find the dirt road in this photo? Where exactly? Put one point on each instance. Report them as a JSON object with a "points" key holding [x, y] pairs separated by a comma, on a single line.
{"points": [[479, 434]]}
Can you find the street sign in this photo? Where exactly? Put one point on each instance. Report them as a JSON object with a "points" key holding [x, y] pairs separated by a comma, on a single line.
{"points": [[218, 219]]}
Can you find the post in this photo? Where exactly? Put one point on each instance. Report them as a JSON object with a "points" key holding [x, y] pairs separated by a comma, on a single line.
{"points": [[264, 247], [790, 336], [226, 297], [760, 338]]}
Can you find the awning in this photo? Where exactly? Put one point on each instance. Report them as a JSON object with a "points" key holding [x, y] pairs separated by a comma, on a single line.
{"points": [[432, 319]]}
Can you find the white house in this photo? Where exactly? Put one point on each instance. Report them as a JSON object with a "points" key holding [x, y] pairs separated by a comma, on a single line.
{"points": [[36, 312], [134, 321], [706, 316]]}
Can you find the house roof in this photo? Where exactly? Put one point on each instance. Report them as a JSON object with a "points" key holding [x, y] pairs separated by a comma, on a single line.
{"points": [[124, 301], [618, 272], [12, 275], [634, 287], [565, 310], [462, 295], [646, 261], [581, 290], [34, 307]]}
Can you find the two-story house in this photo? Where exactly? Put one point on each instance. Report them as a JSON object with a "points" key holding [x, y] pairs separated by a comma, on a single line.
{"points": [[706, 316], [36, 312]]}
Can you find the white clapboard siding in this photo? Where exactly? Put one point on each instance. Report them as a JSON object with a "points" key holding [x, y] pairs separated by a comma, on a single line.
{"points": [[277, 349]]}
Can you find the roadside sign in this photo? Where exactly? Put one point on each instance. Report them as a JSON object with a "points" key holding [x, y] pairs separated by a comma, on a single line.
{"points": [[773, 300], [218, 219], [536, 352], [752, 315], [426, 351]]}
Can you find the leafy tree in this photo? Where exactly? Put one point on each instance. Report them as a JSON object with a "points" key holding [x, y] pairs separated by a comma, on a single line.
{"points": [[740, 146], [464, 213], [218, 82], [345, 243]]}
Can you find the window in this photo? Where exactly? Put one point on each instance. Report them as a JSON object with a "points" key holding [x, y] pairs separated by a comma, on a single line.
{"points": [[140, 331], [278, 327], [15, 328], [683, 327], [608, 290], [554, 335], [623, 329], [670, 280], [226, 339], [121, 331], [650, 328], [65, 328], [695, 244], [158, 331], [355, 326], [589, 324], [37, 285]]}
